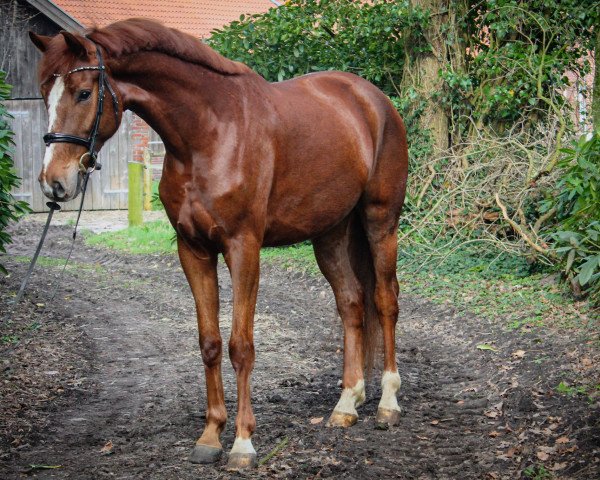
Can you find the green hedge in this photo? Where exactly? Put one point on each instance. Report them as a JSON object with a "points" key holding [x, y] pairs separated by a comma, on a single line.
{"points": [[10, 208]]}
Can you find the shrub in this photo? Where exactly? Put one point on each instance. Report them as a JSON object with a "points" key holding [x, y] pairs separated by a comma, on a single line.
{"points": [[577, 230], [10, 208]]}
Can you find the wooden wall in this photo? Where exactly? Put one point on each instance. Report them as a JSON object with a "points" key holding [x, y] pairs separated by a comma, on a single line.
{"points": [[108, 187], [19, 57]]}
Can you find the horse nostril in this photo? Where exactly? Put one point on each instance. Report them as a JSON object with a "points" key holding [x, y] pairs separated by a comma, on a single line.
{"points": [[58, 190]]}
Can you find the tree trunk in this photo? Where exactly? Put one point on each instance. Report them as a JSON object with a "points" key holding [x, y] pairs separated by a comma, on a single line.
{"points": [[425, 69]]}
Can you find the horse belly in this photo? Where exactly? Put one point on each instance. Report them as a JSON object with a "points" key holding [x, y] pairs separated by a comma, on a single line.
{"points": [[300, 214]]}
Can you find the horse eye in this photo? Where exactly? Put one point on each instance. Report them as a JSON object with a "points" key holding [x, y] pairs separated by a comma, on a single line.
{"points": [[83, 95]]}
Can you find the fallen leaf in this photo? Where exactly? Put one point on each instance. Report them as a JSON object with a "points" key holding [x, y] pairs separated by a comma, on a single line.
{"points": [[316, 420], [586, 362], [491, 216], [543, 456], [491, 414], [562, 440], [519, 354], [107, 449], [485, 346], [559, 466], [435, 422], [494, 434], [511, 452]]}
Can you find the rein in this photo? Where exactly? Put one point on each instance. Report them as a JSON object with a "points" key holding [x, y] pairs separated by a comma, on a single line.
{"points": [[90, 144]]}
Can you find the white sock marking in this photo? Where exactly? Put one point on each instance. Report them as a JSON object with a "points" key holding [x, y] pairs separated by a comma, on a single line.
{"points": [[351, 398], [390, 384], [242, 445]]}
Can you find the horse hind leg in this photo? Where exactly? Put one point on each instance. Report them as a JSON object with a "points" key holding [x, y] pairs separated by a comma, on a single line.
{"points": [[331, 252], [380, 315], [380, 210]]}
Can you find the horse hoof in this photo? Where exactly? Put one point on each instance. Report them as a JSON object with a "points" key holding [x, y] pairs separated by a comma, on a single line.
{"points": [[239, 461], [205, 454], [387, 418], [341, 419]]}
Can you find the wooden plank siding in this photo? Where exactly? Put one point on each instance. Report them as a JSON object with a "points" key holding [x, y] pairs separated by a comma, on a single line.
{"points": [[18, 56], [108, 187]]}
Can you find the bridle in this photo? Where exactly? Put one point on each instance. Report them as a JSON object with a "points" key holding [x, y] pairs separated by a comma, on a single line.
{"points": [[86, 170], [90, 141]]}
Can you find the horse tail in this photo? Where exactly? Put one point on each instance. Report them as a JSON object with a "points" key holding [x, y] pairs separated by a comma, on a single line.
{"points": [[361, 260]]}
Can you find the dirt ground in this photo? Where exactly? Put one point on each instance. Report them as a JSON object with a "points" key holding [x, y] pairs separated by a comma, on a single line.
{"points": [[106, 381]]}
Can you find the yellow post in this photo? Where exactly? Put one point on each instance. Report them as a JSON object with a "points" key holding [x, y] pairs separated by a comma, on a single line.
{"points": [[135, 197], [147, 180]]}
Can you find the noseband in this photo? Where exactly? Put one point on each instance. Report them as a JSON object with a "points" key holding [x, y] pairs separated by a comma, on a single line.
{"points": [[90, 141]]}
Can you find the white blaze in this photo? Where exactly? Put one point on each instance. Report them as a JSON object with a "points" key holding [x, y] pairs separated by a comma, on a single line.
{"points": [[390, 384], [351, 398], [54, 98]]}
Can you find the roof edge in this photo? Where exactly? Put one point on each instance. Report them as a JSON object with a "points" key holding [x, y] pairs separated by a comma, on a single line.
{"points": [[57, 15]]}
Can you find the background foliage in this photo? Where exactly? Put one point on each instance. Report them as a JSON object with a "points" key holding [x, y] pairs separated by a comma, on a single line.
{"points": [[502, 186], [10, 209]]}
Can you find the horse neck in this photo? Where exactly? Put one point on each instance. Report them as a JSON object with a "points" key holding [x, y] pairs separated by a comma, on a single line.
{"points": [[184, 103]]}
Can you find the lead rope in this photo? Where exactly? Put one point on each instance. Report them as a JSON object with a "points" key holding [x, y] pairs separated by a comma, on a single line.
{"points": [[85, 182], [53, 206]]}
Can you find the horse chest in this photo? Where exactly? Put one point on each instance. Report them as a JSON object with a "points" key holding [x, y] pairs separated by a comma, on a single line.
{"points": [[196, 224]]}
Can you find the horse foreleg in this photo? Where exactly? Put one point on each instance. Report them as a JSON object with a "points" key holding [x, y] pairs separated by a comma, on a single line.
{"points": [[243, 259], [331, 252], [200, 268]]}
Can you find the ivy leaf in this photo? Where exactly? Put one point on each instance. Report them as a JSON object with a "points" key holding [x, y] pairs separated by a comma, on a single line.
{"points": [[587, 269]]}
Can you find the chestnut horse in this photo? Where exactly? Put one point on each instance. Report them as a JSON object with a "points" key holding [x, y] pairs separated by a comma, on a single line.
{"points": [[248, 164]]}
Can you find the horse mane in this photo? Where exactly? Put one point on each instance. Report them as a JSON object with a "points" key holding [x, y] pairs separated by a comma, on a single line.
{"points": [[144, 35]]}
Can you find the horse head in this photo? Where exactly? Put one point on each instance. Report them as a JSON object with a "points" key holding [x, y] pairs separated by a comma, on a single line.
{"points": [[74, 82]]}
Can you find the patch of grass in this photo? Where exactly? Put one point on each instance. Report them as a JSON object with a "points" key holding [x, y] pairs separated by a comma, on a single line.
{"points": [[298, 257], [474, 280], [43, 261], [9, 339], [537, 472], [34, 326], [470, 279], [156, 203], [151, 237], [571, 391], [56, 262]]}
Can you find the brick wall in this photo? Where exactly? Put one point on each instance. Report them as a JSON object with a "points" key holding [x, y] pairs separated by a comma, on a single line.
{"points": [[140, 136]]}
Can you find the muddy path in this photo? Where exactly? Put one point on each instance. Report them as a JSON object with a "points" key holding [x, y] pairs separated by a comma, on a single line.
{"points": [[115, 359]]}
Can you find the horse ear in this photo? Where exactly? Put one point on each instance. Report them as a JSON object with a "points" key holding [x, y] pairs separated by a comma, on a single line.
{"points": [[40, 41], [75, 43]]}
